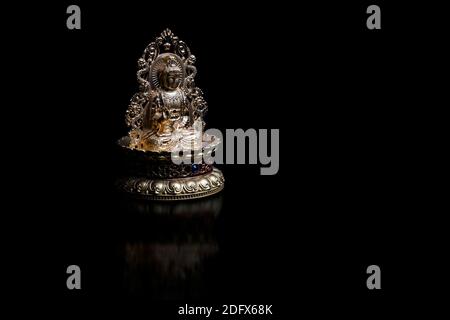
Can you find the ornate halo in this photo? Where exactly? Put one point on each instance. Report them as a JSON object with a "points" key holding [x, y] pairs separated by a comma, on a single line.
{"points": [[160, 63]]}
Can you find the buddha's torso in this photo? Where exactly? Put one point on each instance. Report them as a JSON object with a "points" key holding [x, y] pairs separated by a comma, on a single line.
{"points": [[173, 102]]}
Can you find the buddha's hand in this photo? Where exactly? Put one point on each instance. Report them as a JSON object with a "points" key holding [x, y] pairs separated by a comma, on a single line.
{"points": [[157, 115]]}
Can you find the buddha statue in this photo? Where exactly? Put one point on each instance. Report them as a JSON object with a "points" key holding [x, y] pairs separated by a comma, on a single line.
{"points": [[165, 117], [172, 108]]}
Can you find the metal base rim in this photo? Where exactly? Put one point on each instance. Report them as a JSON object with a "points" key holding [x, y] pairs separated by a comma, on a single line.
{"points": [[195, 187]]}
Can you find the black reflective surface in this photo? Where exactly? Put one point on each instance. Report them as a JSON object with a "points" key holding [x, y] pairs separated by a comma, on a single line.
{"points": [[347, 195]]}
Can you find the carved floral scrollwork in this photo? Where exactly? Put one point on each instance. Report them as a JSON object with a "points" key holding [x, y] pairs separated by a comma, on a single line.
{"points": [[184, 188]]}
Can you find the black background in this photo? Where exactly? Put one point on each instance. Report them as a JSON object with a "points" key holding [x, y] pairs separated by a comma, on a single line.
{"points": [[302, 239]]}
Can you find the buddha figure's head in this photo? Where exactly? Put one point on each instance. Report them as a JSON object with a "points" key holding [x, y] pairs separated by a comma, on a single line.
{"points": [[171, 76]]}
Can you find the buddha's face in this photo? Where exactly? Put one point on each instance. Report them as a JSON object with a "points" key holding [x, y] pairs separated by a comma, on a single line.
{"points": [[171, 79]]}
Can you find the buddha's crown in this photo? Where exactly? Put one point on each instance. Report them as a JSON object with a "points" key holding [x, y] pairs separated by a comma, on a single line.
{"points": [[172, 65]]}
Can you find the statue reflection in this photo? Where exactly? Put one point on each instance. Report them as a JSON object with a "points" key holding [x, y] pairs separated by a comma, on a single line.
{"points": [[169, 259], [206, 207]]}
